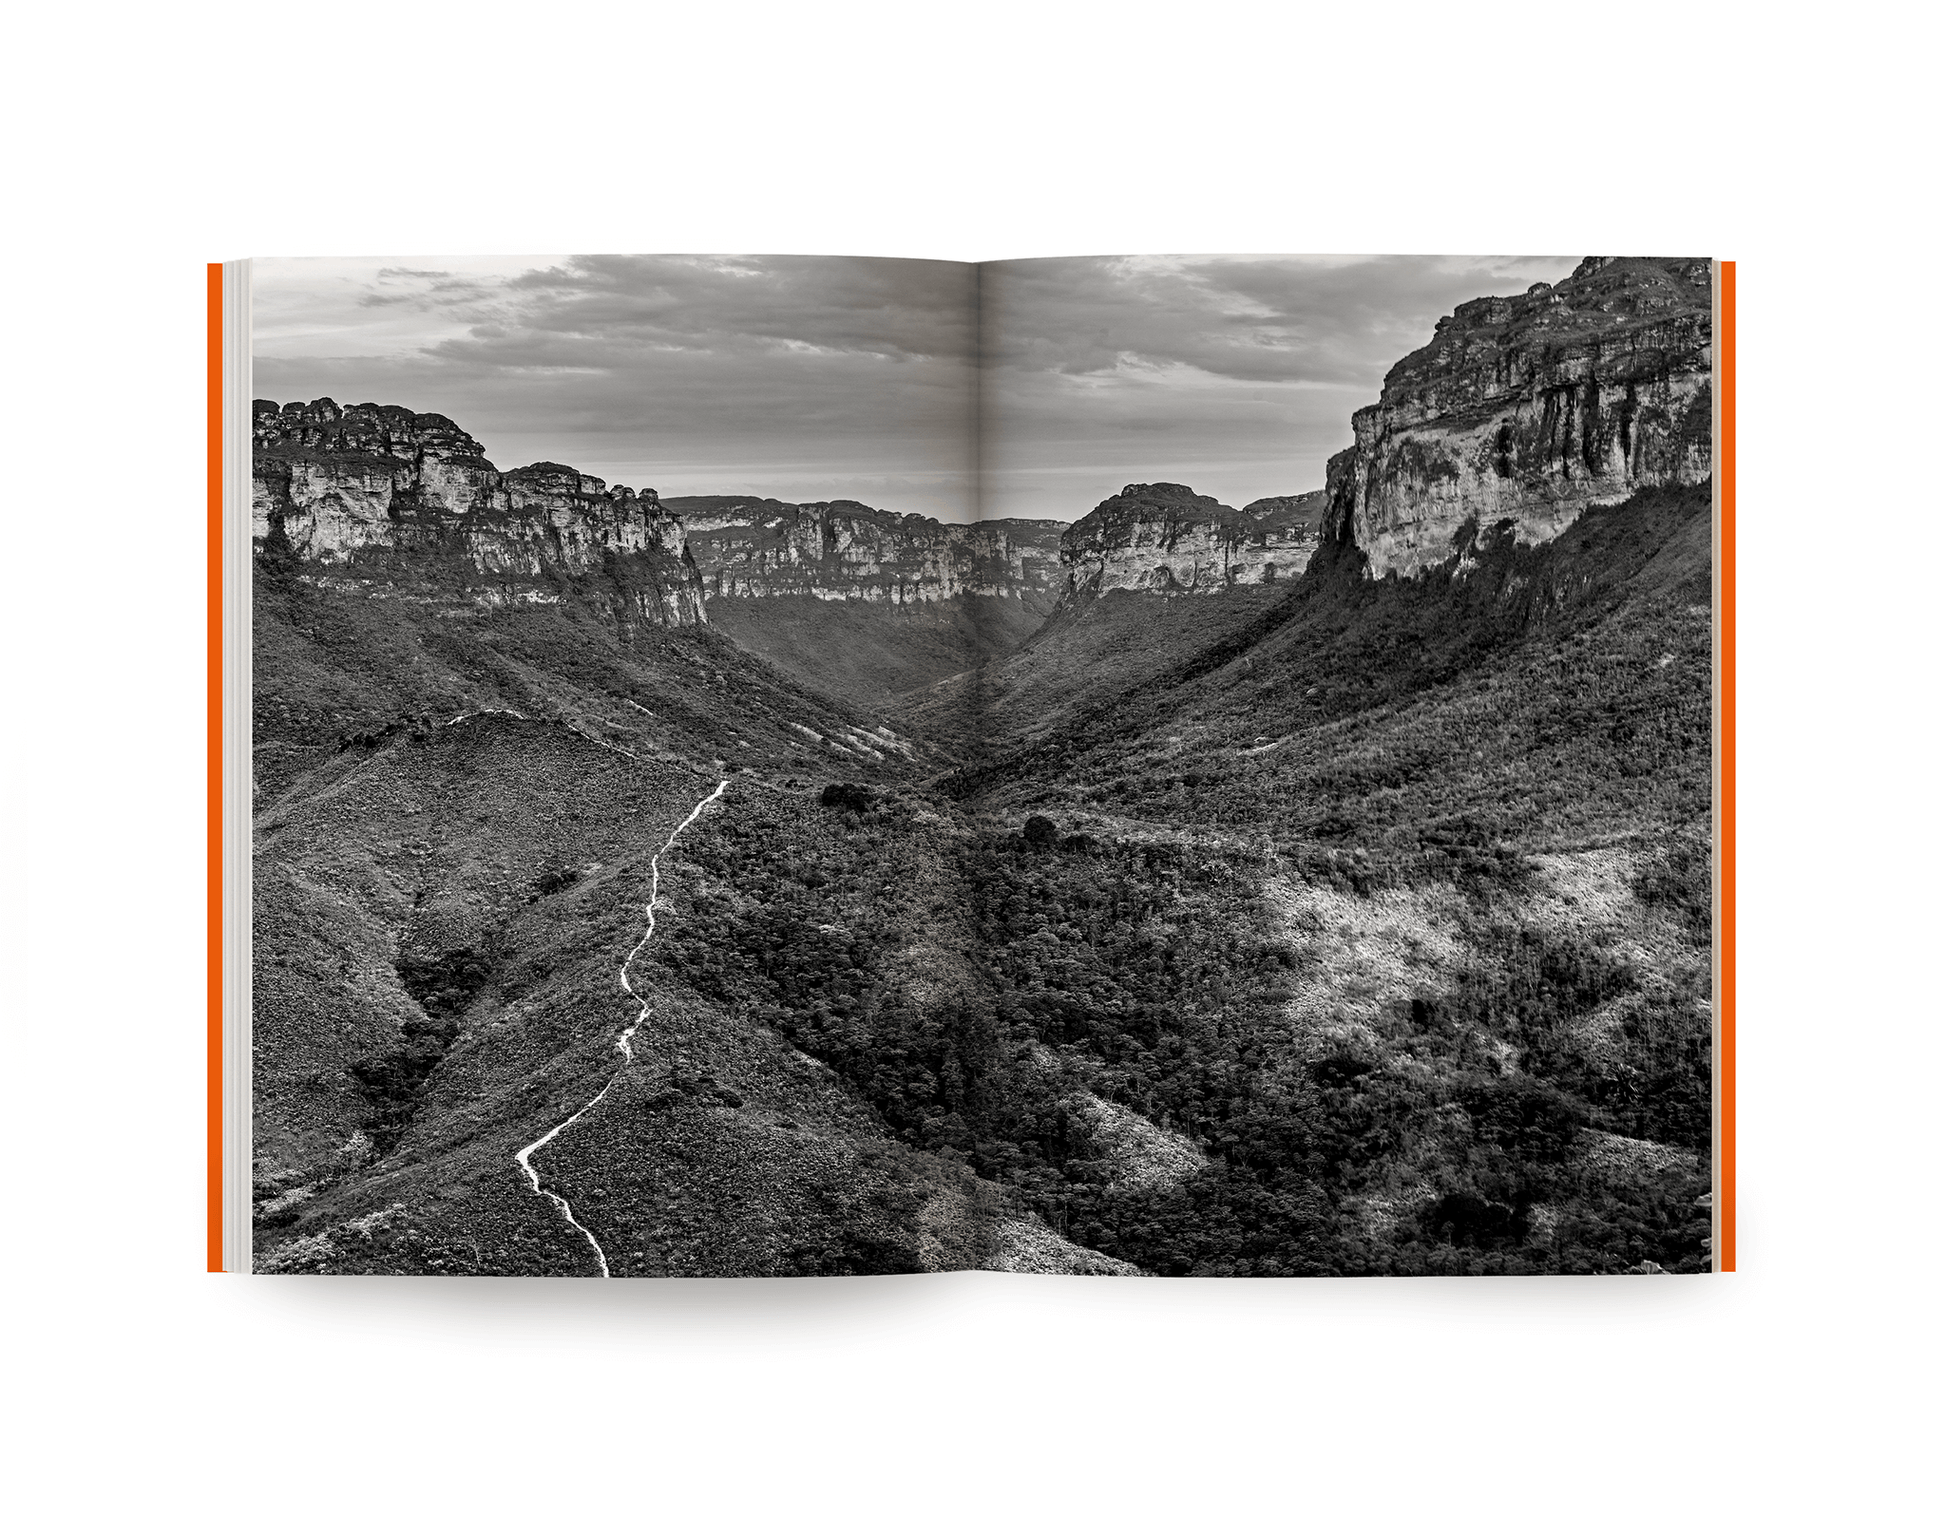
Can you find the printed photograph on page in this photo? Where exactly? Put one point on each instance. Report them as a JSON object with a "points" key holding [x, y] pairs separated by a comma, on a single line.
{"points": [[1154, 765]]}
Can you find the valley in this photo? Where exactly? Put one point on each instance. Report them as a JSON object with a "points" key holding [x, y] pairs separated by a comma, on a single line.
{"points": [[1320, 887]]}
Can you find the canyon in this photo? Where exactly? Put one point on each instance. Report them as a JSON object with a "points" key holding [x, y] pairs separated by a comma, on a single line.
{"points": [[1526, 410], [390, 501], [389, 504]]}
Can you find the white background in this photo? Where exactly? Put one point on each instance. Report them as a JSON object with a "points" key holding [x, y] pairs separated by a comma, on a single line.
{"points": [[142, 141]]}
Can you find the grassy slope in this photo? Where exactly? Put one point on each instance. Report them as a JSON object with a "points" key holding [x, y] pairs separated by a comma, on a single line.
{"points": [[1351, 708], [871, 654], [335, 670], [442, 911], [1077, 657]]}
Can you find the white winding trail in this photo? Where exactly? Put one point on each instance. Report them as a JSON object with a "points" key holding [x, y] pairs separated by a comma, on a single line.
{"points": [[622, 1044]]}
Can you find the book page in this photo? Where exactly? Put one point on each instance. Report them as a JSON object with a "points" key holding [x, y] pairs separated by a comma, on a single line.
{"points": [[584, 591], [1360, 784]]}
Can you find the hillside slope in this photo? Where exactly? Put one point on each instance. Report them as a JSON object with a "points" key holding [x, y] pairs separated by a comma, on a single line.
{"points": [[872, 655], [442, 920], [1430, 960]]}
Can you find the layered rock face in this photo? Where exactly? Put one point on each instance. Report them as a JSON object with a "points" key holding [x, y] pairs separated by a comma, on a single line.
{"points": [[1167, 538], [1533, 409], [839, 550], [393, 501]]}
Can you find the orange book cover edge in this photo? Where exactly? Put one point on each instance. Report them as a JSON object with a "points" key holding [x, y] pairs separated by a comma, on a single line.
{"points": [[214, 798]]}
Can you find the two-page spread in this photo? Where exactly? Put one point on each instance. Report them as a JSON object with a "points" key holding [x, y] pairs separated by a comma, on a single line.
{"points": [[752, 766]]}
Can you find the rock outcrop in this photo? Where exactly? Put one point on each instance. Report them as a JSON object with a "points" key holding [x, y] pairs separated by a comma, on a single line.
{"points": [[1166, 538], [838, 550], [391, 501], [1533, 409]]}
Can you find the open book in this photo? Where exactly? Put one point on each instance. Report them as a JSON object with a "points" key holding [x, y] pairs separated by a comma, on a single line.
{"points": [[1161, 765]]}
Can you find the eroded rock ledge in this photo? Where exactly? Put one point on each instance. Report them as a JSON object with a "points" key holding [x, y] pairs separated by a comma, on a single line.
{"points": [[1167, 538], [1533, 409], [747, 547], [391, 501]]}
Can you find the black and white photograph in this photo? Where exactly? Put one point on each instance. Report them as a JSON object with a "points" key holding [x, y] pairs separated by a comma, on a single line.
{"points": [[1152, 765]]}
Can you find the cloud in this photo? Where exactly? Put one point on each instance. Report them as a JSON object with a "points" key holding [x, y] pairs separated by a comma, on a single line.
{"points": [[1286, 320], [891, 308], [858, 376], [1240, 372], [690, 367]]}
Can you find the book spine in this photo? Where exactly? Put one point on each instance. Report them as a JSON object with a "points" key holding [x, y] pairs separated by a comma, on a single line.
{"points": [[227, 798], [1724, 1188]]}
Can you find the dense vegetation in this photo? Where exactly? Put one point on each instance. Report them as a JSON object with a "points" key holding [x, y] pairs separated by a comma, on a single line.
{"points": [[443, 985], [1151, 975]]}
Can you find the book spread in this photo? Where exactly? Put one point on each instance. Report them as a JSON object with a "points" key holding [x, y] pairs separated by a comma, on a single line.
{"points": [[1151, 765]]}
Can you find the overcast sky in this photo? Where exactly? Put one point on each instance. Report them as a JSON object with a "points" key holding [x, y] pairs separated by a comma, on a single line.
{"points": [[1235, 375], [821, 378]]}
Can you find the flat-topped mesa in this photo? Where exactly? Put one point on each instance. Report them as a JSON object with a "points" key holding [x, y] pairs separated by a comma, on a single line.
{"points": [[839, 550], [1165, 538], [1532, 409], [395, 502]]}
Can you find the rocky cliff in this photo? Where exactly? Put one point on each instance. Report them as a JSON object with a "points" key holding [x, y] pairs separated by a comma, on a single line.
{"points": [[839, 550], [1533, 409], [1166, 537], [391, 501]]}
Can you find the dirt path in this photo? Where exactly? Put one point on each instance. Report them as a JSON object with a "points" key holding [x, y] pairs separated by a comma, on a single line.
{"points": [[623, 1044]]}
